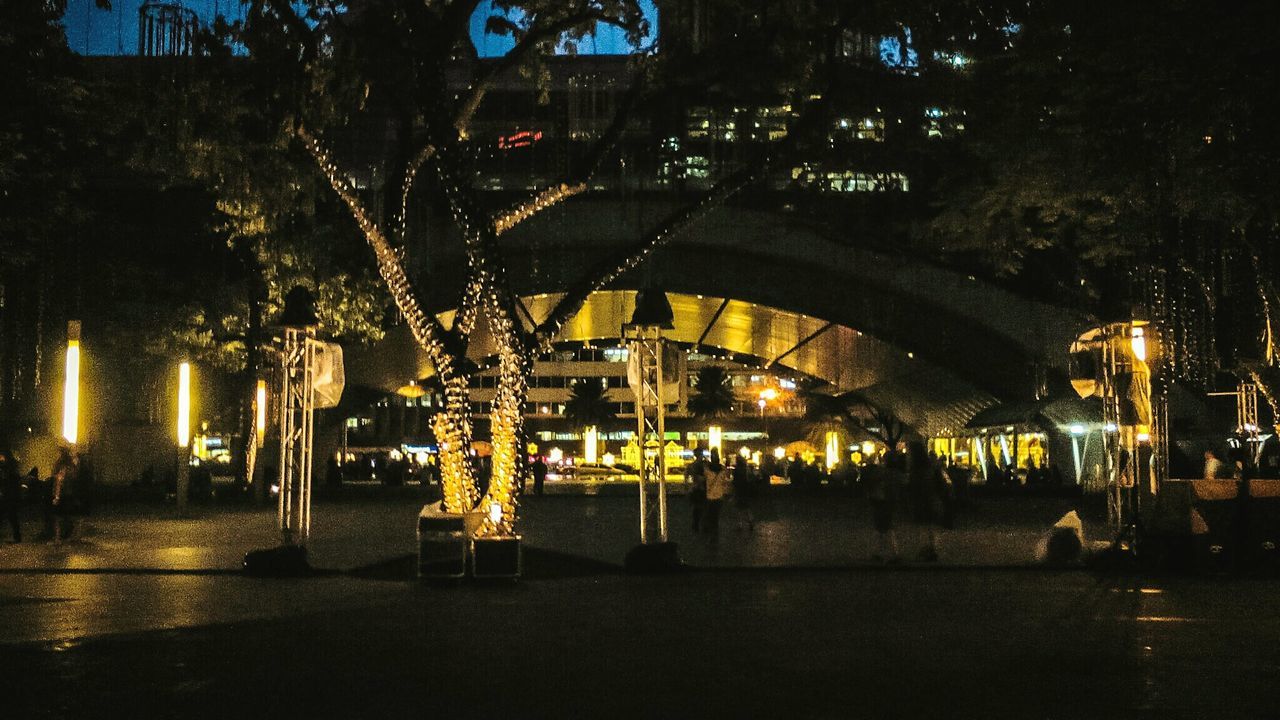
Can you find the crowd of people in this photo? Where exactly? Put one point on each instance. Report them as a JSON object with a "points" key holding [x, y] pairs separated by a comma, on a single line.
{"points": [[63, 497], [908, 482]]}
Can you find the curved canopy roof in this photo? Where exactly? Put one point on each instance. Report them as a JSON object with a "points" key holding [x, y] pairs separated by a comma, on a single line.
{"points": [[925, 396]]}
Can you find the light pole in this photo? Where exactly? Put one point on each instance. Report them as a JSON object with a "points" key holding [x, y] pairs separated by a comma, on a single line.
{"points": [[767, 395]]}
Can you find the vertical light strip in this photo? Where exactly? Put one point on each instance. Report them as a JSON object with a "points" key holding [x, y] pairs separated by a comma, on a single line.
{"points": [[71, 393], [713, 438], [184, 404], [833, 448], [260, 412], [590, 444]]}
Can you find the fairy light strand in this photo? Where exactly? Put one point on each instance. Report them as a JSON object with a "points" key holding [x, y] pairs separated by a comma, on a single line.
{"points": [[453, 431]]}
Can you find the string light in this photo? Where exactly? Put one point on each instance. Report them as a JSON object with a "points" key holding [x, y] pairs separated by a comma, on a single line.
{"points": [[545, 199], [452, 424], [573, 301]]}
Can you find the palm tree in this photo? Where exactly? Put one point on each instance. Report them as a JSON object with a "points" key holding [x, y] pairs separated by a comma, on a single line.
{"points": [[855, 412], [587, 404], [714, 397]]}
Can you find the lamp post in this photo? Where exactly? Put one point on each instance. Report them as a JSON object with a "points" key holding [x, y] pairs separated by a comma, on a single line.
{"points": [[650, 373]]}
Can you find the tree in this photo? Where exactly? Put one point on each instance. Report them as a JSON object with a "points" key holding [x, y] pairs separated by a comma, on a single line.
{"points": [[280, 224], [1120, 160], [713, 396], [43, 136], [588, 405], [391, 62], [855, 413]]}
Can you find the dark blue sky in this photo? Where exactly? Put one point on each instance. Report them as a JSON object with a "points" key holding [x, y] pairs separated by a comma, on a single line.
{"points": [[95, 32]]}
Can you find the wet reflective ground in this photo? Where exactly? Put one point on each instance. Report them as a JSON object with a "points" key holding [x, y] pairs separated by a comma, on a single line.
{"points": [[147, 618], [763, 643]]}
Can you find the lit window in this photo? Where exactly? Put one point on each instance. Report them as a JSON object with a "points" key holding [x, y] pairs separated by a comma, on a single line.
{"points": [[898, 53], [956, 60]]}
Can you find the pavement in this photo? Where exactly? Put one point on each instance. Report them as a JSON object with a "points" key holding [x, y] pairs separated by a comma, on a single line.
{"points": [[367, 526], [148, 618]]}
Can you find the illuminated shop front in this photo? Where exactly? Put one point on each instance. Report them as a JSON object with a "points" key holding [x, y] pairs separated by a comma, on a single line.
{"points": [[1056, 442]]}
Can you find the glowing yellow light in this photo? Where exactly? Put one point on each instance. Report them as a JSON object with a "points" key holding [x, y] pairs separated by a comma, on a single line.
{"points": [[768, 394], [745, 451], [833, 448], [713, 437], [412, 390], [71, 393], [396, 454], [422, 458], [590, 444], [779, 452], [755, 458], [555, 455], [868, 448], [260, 412], [495, 512], [532, 448], [1144, 437], [1138, 342], [608, 459], [184, 405]]}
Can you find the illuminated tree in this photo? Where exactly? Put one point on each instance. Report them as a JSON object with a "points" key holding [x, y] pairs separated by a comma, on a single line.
{"points": [[401, 62]]}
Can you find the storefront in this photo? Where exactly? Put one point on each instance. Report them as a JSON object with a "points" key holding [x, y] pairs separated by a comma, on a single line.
{"points": [[1049, 442]]}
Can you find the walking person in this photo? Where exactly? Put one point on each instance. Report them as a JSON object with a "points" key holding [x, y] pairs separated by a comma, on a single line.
{"points": [[744, 486], [928, 488], [719, 485], [11, 493], [66, 500], [539, 469], [881, 482], [44, 494], [696, 477]]}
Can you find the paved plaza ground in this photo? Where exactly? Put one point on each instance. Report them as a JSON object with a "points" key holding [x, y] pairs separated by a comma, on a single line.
{"points": [[148, 618]]}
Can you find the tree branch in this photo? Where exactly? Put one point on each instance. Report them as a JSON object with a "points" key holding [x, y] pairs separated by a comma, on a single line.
{"points": [[610, 270], [578, 182], [410, 175], [426, 328], [536, 35], [540, 202], [294, 25]]}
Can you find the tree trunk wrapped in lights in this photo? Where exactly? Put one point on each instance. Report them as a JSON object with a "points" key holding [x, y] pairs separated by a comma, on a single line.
{"points": [[453, 432], [489, 290], [507, 423]]}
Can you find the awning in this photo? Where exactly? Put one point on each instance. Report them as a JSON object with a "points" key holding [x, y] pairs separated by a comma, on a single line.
{"points": [[1042, 414]]}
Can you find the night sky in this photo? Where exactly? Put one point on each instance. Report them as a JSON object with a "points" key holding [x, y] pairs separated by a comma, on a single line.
{"points": [[95, 32]]}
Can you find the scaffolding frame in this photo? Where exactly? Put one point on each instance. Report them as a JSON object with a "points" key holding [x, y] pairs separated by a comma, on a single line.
{"points": [[647, 346], [297, 432]]}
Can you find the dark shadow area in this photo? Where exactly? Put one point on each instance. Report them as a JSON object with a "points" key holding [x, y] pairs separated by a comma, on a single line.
{"points": [[538, 564]]}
